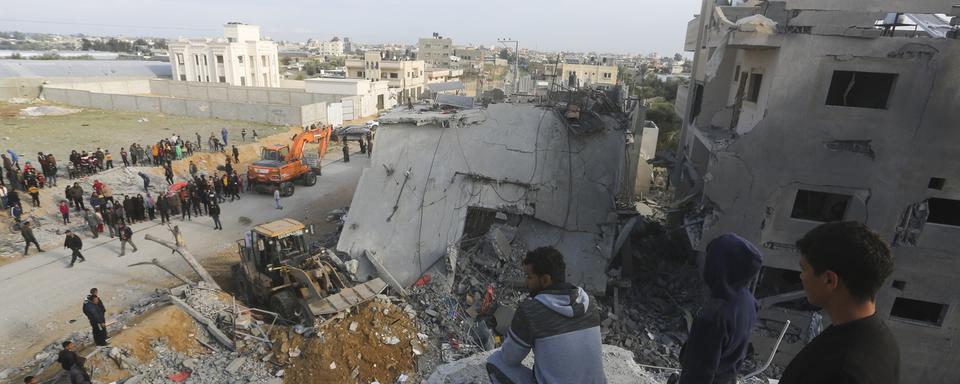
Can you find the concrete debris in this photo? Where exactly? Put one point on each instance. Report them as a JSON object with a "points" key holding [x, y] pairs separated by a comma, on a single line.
{"points": [[391, 340]]}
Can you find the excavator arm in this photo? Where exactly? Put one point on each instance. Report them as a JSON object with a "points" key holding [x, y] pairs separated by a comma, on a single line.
{"points": [[321, 135]]}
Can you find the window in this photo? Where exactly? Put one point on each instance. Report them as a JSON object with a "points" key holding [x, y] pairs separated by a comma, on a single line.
{"points": [[243, 81], [199, 78], [196, 58], [223, 79], [736, 74], [820, 206], [240, 58], [359, 73], [756, 79], [204, 59], [393, 75], [860, 89], [919, 311], [899, 284], [937, 183], [219, 59], [183, 77], [263, 60], [944, 211], [179, 58]]}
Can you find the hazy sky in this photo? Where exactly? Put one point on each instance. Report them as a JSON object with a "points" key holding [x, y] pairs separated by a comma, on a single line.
{"points": [[624, 26]]}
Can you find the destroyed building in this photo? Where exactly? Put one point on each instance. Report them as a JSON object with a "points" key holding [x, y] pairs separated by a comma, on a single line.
{"points": [[440, 175], [801, 112]]}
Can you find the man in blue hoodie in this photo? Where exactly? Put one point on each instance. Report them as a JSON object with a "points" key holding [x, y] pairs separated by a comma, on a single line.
{"points": [[558, 322], [717, 344]]}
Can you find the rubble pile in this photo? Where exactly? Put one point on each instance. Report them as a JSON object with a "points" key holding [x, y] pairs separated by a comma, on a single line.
{"points": [[468, 310], [375, 342]]}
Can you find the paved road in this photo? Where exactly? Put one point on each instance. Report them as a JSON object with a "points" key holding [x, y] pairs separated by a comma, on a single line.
{"points": [[39, 295]]}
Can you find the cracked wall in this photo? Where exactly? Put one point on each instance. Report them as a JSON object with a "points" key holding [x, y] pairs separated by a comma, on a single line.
{"points": [[882, 158], [514, 158]]}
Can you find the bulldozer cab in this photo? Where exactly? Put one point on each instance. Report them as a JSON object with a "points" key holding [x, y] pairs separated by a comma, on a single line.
{"points": [[271, 245], [275, 153]]}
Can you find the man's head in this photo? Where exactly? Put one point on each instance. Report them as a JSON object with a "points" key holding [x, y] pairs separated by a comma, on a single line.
{"points": [[843, 260], [68, 345], [68, 233], [94, 292], [544, 267], [30, 380]]}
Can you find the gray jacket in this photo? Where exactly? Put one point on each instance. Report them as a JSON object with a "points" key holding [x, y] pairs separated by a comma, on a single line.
{"points": [[562, 327]]}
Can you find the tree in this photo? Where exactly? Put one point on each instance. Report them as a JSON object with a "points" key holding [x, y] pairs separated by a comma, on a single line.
{"points": [[285, 60], [666, 118]]}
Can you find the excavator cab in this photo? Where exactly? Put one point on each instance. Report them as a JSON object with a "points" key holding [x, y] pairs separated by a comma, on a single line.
{"points": [[276, 153]]}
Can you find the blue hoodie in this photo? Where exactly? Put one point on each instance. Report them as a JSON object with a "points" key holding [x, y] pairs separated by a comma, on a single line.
{"points": [[718, 340]]}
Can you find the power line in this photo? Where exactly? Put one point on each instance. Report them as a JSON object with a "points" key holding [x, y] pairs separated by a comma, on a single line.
{"points": [[105, 25]]}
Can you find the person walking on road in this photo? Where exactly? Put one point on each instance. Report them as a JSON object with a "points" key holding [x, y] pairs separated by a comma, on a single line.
{"points": [[215, 214], [276, 198], [27, 232], [34, 195], [126, 236], [93, 222], [168, 174], [223, 133], [243, 135], [64, 211], [72, 363], [96, 313], [346, 150], [163, 205], [74, 243], [236, 154], [255, 137]]}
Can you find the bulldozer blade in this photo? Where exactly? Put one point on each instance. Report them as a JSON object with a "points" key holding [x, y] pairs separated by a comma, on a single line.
{"points": [[347, 298]]}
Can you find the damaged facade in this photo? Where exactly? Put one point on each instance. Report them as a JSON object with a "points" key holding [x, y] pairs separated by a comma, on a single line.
{"points": [[553, 175], [803, 111]]}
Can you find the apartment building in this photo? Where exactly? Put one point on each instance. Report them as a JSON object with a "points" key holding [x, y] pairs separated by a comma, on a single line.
{"points": [[332, 47], [240, 58], [435, 51], [580, 75], [406, 76], [804, 112]]}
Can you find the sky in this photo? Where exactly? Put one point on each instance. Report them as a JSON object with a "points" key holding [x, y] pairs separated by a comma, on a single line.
{"points": [[624, 26]]}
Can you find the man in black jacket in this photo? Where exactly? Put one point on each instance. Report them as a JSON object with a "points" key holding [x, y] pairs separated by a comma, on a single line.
{"points": [[27, 232], [74, 243], [843, 265], [96, 313], [73, 364], [126, 237], [215, 214]]}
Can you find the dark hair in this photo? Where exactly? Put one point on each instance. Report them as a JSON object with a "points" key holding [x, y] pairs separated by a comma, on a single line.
{"points": [[28, 379], [851, 250], [547, 261], [66, 343]]}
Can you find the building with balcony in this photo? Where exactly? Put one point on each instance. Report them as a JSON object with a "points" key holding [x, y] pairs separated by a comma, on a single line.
{"points": [[406, 76], [240, 58], [804, 112], [581, 75], [332, 47]]}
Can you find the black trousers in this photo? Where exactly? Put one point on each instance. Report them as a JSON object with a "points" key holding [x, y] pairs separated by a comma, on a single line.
{"points": [[216, 222], [76, 255], [27, 246], [99, 335]]}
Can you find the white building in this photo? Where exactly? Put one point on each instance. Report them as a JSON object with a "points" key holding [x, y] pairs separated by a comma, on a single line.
{"points": [[372, 96], [333, 47], [240, 58]]}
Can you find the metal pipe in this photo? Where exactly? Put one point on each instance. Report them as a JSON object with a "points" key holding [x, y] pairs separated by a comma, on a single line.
{"points": [[772, 354]]}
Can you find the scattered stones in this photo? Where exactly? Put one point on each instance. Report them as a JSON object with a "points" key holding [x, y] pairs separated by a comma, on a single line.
{"points": [[353, 326], [391, 340]]}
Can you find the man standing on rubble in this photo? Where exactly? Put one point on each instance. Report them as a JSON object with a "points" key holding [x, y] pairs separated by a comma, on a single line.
{"points": [[559, 321], [72, 363], [843, 265], [96, 313], [718, 341]]}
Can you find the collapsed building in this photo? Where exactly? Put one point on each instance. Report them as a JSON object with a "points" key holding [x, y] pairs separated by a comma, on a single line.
{"points": [[801, 112], [441, 175]]}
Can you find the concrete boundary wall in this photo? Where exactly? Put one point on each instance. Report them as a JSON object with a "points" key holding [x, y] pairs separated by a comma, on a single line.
{"points": [[295, 97], [218, 106]]}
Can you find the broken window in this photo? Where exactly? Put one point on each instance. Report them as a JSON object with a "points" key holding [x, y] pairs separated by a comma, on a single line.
{"points": [[223, 79], [781, 288], [820, 206], [697, 101], [756, 79], [937, 183], [919, 311], [944, 211], [736, 74], [860, 89]]}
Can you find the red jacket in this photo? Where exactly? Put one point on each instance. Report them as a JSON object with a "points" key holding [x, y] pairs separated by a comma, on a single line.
{"points": [[64, 208]]}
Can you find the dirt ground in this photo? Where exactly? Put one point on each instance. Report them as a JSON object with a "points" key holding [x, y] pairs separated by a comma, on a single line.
{"points": [[361, 356], [92, 128]]}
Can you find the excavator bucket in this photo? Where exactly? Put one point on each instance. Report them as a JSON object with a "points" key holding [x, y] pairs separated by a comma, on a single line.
{"points": [[347, 298]]}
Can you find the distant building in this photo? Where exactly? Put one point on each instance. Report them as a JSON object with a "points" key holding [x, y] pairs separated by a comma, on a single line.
{"points": [[407, 76], [333, 47], [240, 58], [347, 45], [579, 75], [468, 58], [435, 51]]}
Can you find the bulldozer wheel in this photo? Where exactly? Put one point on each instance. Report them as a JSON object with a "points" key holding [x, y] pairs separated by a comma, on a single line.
{"points": [[242, 286], [285, 304], [286, 189], [309, 178]]}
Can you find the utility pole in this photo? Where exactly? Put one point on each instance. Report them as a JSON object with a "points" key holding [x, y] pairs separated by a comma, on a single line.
{"points": [[516, 63]]}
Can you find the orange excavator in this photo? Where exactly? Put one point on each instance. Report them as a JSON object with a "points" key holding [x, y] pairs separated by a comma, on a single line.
{"points": [[281, 165]]}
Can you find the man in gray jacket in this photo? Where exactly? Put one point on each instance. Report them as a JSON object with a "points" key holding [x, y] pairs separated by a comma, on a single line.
{"points": [[559, 322]]}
